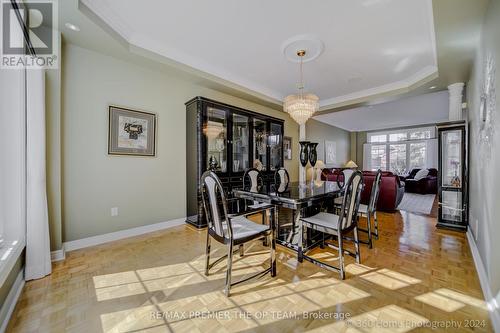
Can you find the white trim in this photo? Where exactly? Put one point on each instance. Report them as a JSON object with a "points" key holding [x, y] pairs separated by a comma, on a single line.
{"points": [[58, 255], [117, 235], [11, 258], [483, 280], [11, 300]]}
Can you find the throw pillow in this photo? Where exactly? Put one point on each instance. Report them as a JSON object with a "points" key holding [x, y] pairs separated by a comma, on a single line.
{"points": [[421, 174]]}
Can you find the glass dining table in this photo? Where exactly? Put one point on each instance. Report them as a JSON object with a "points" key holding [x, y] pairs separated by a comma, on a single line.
{"points": [[297, 197]]}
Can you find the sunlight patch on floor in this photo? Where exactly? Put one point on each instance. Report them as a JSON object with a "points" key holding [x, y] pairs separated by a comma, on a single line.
{"points": [[390, 279], [449, 300]]}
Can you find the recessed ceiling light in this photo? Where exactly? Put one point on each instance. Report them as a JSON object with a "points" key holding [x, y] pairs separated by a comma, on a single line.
{"points": [[432, 87], [72, 27]]}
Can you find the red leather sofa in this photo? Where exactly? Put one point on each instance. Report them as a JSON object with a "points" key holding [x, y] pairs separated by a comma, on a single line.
{"points": [[427, 185], [391, 189]]}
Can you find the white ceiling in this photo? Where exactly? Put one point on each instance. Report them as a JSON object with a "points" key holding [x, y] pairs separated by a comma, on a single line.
{"points": [[415, 110], [370, 46]]}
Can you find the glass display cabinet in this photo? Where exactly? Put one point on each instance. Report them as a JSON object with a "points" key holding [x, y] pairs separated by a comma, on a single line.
{"points": [[228, 140], [452, 192]]}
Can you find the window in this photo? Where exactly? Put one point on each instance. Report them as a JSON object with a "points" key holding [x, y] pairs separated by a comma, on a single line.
{"points": [[417, 155], [398, 137], [378, 138], [401, 150], [397, 158], [378, 157]]}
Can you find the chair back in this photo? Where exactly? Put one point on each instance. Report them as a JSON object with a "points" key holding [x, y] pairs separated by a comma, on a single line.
{"points": [[342, 176], [372, 204], [350, 202], [252, 180], [281, 180], [212, 194]]}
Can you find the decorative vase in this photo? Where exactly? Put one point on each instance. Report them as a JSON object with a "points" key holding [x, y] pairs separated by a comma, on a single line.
{"points": [[304, 152], [313, 154]]}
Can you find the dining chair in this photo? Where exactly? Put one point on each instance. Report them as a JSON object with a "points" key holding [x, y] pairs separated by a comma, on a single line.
{"points": [[371, 209], [336, 225], [230, 230], [281, 180], [342, 176]]}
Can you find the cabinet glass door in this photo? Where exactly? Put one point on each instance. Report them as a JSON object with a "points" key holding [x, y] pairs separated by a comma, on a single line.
{"points": [[451, 206], [260, 143], [216, 133], [240, 141], [451, 162], [276, 146]]}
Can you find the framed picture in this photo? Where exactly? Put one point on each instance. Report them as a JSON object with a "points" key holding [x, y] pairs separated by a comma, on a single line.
{"points": [[131, 132], [330, 152], [287, 147]]}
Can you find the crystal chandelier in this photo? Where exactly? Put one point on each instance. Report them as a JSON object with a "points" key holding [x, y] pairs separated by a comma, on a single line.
{"points": [[301, 106]]}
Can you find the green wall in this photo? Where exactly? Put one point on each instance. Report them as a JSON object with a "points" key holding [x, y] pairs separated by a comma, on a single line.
{"points": [[317, 131], [146, 190]]}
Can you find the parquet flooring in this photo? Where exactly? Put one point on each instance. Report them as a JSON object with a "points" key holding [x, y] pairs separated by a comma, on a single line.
{"points": [[415, 278]]}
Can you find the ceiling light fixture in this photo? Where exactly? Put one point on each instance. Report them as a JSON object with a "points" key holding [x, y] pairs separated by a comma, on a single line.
{"points": [[301, 106], [72, 27], [432, 87]]}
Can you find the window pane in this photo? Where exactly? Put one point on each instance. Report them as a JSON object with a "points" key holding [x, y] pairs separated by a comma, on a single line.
{"points": [[398, 137], [417, 155], [378, 158], [397, 158], [378, 138], [416, 135]]}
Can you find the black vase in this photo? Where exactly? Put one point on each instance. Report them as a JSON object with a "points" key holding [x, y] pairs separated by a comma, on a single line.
{"points": [[304, 152], [313, 154]]}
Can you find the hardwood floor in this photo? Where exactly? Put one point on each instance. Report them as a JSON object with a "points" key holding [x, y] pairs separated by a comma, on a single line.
{"points": [[415, 277]]}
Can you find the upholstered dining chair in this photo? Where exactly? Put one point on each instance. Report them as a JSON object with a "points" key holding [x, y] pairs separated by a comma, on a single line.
{"points": [[230, 230], [281, 180], [337, 225], [371, 209]]}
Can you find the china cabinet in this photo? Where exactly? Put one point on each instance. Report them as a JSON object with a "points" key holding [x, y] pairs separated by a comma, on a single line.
{"points": [[453, 185], [228, 140]]}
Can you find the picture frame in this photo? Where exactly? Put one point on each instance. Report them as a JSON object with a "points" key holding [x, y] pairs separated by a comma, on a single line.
{"points": [[287, 147], [131, 132], [330, 152]]}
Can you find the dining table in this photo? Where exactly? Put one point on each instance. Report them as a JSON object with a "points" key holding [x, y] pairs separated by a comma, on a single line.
{"points": [[298, 198]]}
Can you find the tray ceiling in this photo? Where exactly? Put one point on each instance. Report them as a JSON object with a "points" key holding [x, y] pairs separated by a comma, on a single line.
{"points": [[371, 47]]}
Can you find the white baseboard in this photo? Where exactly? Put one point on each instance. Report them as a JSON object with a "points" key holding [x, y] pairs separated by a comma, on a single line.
{"points": [[485, 286], [58, 255], [11, 301], [113, 236]]}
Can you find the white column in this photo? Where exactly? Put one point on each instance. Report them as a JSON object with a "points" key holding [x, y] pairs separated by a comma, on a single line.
{"points": [[302, 170], [455, 90]]}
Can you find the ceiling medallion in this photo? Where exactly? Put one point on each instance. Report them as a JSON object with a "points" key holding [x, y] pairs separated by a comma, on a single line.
{"points": [[301, 106]]}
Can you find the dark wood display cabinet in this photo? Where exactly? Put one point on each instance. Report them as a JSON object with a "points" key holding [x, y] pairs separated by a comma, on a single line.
{"points": [[230, 140], [453, 175]]}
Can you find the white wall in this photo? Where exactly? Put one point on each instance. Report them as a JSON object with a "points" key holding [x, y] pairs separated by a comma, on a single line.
{"points": [[484, 159]]}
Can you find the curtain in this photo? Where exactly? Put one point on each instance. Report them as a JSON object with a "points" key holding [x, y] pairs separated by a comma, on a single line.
{"points": [[431, 159], [38, 262], [367, 160]]}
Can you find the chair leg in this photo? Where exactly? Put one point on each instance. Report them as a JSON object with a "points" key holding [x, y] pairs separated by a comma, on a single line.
{"points": [[356, 245], [376, 224], [369, 223], [341, 257], [242, 250], [229, 268], [207, 254], [265, 213]]}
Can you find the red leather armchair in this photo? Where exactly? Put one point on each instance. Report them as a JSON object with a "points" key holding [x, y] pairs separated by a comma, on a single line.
{"points": [[391, 189], [427, 185]]}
